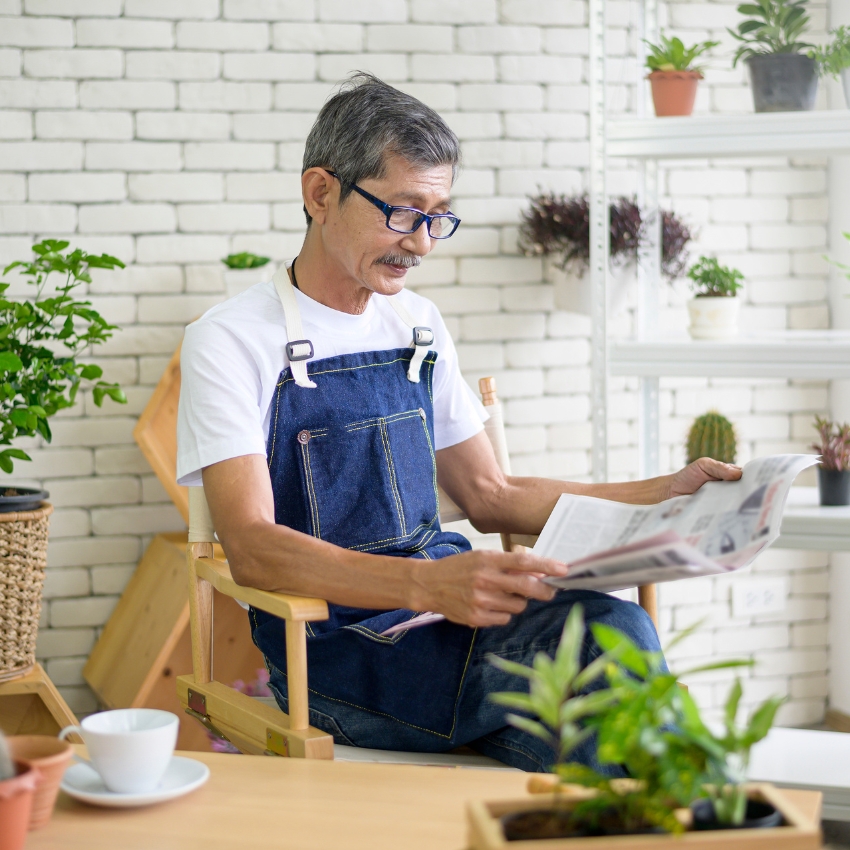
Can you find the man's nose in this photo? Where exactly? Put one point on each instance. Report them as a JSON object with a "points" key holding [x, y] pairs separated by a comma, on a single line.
{"points": [[418, 242]]}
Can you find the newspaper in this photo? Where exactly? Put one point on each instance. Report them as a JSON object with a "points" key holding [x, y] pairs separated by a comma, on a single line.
{"points": [[721, 527], [611, 546]]}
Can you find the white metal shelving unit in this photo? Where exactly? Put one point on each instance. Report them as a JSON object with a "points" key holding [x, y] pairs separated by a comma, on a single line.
{"points": [[788, 354]]}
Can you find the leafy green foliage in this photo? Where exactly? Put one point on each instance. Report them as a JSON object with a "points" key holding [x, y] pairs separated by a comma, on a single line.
{"points": [[712, 435], [672, 55], [643, 720], [245, 260], [774, 27], [835, 57], [711, 280], [40, 341]]}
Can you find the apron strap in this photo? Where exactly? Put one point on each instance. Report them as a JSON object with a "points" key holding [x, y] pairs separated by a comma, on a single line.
{"points": [[423, 338], [299, 350]]}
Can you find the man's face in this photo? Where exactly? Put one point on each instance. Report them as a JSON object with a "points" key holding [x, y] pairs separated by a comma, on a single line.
{"points": [[356, 235]]}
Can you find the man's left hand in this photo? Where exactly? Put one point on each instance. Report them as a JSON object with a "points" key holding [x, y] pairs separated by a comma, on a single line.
{"points": [[694, 475]]}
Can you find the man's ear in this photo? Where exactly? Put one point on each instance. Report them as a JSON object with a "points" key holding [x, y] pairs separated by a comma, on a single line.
{"points": [[316, 189]]}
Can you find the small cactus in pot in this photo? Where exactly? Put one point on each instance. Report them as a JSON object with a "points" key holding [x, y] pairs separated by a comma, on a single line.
{"points": [[712, 435]]}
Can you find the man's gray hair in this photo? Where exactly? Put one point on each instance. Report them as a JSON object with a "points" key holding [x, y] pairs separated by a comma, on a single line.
{"points": [[365, 122]]}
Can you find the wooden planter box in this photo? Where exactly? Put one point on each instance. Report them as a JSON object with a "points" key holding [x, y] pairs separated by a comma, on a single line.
{"points": [[798, 833]]}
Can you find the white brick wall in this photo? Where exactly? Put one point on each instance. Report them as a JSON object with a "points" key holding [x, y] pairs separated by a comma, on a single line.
{"points": [[170, 132]]}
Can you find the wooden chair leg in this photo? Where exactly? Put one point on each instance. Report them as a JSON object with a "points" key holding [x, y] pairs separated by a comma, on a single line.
{"points": [[200, 614], [296, 673], [648, 599]]}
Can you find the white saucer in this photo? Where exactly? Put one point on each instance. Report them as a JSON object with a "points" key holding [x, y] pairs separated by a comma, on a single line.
{"points": [[183, 775]]}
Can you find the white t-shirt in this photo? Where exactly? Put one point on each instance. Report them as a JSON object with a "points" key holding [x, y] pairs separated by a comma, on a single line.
{"points": [[233, 355]]}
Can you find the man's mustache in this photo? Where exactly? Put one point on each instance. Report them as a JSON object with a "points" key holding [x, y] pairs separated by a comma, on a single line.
{"points": [[406, 261]]}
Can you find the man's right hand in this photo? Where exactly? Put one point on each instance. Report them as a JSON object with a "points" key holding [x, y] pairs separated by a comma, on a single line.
{"points": [[482, 588]]}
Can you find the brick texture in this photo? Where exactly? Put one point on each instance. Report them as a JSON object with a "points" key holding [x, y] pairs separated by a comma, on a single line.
{"points": [[170, 132]]}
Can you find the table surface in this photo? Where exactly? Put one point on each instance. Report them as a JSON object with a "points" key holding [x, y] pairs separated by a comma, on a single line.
{"points": [[259, 801]]}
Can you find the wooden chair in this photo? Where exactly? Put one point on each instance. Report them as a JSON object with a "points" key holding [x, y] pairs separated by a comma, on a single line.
{"points": [[250, 725]]}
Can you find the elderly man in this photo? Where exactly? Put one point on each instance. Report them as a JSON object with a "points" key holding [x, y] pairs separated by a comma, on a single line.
{"points": [[320, 431]]}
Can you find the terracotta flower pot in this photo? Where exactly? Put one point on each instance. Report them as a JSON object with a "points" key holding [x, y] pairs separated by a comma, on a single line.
{"points": [[50, 757], [674, 92], [15, 805]]}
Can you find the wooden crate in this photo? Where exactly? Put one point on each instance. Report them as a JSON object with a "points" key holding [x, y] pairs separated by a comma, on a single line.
{"points": [[798, 833], [31, 705], [145, 645]]}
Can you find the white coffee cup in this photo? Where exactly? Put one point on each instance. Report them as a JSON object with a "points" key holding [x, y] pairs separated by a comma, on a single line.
{"points": [[129, 747]]}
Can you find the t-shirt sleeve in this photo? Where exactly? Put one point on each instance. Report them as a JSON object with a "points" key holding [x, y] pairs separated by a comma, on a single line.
{"points": [[458, 414], [219, 414]]}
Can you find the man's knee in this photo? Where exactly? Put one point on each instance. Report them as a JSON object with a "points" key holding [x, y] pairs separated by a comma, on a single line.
{"points": [[626, 617]]}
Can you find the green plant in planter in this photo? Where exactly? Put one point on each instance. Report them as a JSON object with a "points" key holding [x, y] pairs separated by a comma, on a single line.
{"points": [[835, 56], [712, 435], [773, 26], [644, 720], [672, 55], [245, 260], [711, 280], [41, 340]]}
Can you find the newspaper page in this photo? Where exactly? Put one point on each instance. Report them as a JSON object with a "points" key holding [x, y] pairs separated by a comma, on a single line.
{"points": [[611, 546], [721, 527]]}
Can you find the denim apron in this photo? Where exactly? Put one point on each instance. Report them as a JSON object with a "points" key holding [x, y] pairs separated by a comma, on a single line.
{"points": [[351, 461]]}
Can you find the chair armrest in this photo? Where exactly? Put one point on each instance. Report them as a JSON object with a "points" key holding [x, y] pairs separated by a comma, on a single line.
{"points": [[282, 605]]}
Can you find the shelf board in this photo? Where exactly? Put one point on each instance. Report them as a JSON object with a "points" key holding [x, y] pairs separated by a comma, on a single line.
{"points": [[762, 134], [806, 525], [822, 355]]}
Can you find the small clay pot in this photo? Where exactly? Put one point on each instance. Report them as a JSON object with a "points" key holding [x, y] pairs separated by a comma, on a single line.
{"points": [[15, 804], [50, 757], [758, 815], [834, 486], [674, 92]]}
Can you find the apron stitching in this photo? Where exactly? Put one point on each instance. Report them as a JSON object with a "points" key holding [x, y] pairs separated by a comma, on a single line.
{"points": [[433, 467], [462, 679], [276, 416], [430, 373], [385, 441], [405, 414], [311, 493], [377, 636], [374, 543]]}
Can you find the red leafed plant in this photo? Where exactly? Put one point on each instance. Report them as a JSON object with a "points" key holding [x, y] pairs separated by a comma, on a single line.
{"points": [[834, 447]]}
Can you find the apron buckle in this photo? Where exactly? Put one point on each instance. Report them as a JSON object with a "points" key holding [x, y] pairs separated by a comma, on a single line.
{"points": [[296, 352]]}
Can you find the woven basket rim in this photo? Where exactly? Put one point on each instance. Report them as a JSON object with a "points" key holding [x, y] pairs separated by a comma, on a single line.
{"points": [[26, 516]]}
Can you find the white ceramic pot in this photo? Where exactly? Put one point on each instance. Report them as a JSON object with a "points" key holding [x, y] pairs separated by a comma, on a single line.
{"points": [[238, 280], [713, 317], [573, 292], [845, 81]]}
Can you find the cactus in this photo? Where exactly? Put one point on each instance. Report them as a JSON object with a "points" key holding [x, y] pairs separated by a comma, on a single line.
{"points": [[712, 435]]}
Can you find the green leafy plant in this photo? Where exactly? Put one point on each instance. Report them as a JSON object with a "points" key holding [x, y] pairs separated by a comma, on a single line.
{"points": [[732, 755], [834, 445], [845, 268], [835, 56], [711, 280], [712, 435], [245, 260], [644, 720], [41, 339], [672, 55], [774, 26]]}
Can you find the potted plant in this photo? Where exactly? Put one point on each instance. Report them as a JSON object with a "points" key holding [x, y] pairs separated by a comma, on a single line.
{"points": [[673, 75], [558, 227], [42, 341], [644, 722], [784, 78], [711, 435], [244, 270], [834, 468], [715, 305], [834, 59]]}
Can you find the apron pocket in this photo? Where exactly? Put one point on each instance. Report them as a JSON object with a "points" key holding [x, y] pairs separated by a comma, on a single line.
{"points": [[370, 485]]}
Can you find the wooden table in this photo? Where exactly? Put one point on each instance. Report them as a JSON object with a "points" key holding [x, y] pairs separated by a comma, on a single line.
{"points": [[258, 801]]}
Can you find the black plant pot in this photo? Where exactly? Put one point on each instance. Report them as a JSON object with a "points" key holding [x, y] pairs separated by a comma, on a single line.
{"points": [[834, 486], [20, 499], [783, 82], [759, 815]]}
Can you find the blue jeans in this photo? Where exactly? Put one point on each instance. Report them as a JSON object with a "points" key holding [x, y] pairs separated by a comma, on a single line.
{"points": [[480, 723]]}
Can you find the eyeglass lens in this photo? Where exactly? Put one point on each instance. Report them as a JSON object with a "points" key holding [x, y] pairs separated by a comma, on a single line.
{"points": [[406, 221]]}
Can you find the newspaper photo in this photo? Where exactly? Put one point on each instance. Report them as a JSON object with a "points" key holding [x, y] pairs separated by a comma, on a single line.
{"points": [[611, 545], [722, 527]]}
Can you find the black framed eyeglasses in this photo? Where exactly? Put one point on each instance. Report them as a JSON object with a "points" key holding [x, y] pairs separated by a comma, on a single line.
{"points": [[409, 219]]}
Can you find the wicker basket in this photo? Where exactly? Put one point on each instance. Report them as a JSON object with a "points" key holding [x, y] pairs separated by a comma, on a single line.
{"points": [[23, 559]]}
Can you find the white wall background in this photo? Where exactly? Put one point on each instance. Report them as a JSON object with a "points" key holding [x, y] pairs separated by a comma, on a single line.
{"points": [[170, 134]]}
